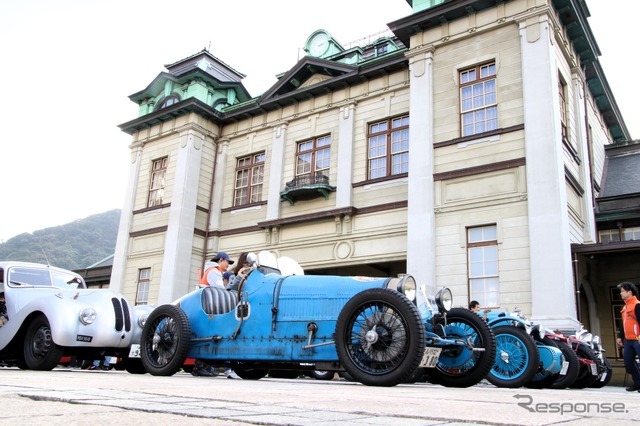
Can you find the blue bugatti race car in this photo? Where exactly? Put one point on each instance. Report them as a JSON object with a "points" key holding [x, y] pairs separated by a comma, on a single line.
{"points": [[378, 330]]}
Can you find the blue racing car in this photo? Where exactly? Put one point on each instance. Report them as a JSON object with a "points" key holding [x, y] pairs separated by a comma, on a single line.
{"points": [[378, 330]]}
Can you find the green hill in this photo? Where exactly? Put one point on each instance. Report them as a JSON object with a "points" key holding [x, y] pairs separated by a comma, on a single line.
{"points": [[75, 245]]}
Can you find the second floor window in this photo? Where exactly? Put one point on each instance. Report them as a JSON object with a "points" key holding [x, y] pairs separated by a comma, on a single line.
{"points": [[156, 187], [144, 280], [388, 147], [478, 100], [313, 157], [249, 179], [482, 258]]}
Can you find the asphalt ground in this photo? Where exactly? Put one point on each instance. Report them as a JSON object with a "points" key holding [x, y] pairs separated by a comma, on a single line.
{"points": [[80, 397]]}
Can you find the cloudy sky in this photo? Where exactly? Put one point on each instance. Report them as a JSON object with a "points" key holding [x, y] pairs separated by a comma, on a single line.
{"points": [[68, 66]]}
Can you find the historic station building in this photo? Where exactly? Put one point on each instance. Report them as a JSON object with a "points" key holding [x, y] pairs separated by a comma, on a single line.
{"points": [[467, 147]]}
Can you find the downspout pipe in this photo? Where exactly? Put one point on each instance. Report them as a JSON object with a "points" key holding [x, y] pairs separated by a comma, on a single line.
{"points": [[576, 285]]}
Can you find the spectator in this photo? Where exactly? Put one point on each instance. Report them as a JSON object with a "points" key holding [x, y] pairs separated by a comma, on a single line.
{"points": [[214, 269], [240, 271], [226, 278]]}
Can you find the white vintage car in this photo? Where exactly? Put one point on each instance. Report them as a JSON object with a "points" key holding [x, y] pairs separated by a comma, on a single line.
{"points": [[47, 313]]}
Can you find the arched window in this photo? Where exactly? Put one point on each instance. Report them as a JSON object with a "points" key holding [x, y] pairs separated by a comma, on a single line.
{"points": [[168, 101]]}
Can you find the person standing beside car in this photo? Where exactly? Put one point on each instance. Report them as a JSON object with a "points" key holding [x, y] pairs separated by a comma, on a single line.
{"points": [[629, 334]]}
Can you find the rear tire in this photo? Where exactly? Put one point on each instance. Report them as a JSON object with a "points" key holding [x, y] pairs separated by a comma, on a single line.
{"points": [[250, 373], [322, 374]]}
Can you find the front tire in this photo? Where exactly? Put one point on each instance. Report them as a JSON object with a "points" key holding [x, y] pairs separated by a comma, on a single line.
{"points": [[573, 369], [40, 351], [165, 341], [605, 376], [585, 377], [380, 337], [543, 379], [516, 360], [461, 366]]}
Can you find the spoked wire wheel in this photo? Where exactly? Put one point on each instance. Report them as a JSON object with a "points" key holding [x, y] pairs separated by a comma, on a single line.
{"points": [[165, 340], [517, 358], [380, 337], [464, 365]]}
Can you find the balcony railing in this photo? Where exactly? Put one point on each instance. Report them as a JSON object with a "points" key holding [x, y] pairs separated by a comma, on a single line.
{"points": [[306, 187]]}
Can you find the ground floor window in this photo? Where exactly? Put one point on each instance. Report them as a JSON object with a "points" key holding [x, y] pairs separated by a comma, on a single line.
{"points": [[482, 261], [144, 280]]}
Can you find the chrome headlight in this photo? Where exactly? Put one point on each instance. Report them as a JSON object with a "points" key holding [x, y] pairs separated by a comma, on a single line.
{"points": [[406, 285], [142, 319], [587, 338], [539, 329], [88, 316], [519, 313], [444, 299]]}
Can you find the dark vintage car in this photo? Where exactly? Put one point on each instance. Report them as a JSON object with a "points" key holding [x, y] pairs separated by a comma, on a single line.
{"points": [[50, 313], [378, 330]]}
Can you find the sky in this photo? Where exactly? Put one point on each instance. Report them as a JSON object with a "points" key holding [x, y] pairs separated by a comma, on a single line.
{"points": [[67, 68]]}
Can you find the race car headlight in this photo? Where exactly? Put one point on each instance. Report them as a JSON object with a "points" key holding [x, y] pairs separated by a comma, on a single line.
{"points": [[406, 285], [142, 319], [539, 330], [88, 316], [587, 338], [444, 299]]}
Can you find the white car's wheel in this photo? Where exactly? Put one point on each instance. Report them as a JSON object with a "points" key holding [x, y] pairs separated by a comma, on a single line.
{"points": [[40, 351]]}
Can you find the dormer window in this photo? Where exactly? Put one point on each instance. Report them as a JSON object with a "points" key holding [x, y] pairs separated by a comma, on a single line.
{"points": [[382, 49], [169, 101]]}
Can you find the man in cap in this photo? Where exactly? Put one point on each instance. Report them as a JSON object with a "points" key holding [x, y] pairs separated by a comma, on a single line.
{"points": [[215, 268]]}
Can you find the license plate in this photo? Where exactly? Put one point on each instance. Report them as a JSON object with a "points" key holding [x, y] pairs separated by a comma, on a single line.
{"points": [[604, 376], [594, 369], [565, 367], [430, 357], [135, 351]]}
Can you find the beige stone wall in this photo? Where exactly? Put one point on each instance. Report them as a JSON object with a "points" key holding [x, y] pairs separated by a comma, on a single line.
{"points": [[363, 238]]}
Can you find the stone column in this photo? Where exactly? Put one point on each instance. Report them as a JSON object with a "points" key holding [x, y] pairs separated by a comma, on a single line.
{"points": [[178, 245], [126, 218], [421, 246], [345, 155], [582, 142], [552, 294], [275, 172]]}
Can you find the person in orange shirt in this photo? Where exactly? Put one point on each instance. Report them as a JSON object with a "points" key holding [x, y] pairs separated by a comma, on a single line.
{"points": [[630, 331], [214, 270]]}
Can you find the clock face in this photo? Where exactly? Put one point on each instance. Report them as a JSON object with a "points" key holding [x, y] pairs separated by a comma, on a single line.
{"points": [[319, 44]]}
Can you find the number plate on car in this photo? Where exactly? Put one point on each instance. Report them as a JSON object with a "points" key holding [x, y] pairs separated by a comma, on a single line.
{"points": [[565, 367], [594, 369], [430, 357], [135, 351]]}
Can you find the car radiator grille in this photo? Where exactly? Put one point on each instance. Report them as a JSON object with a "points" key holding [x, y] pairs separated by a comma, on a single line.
{"points": [[121, 311]]}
